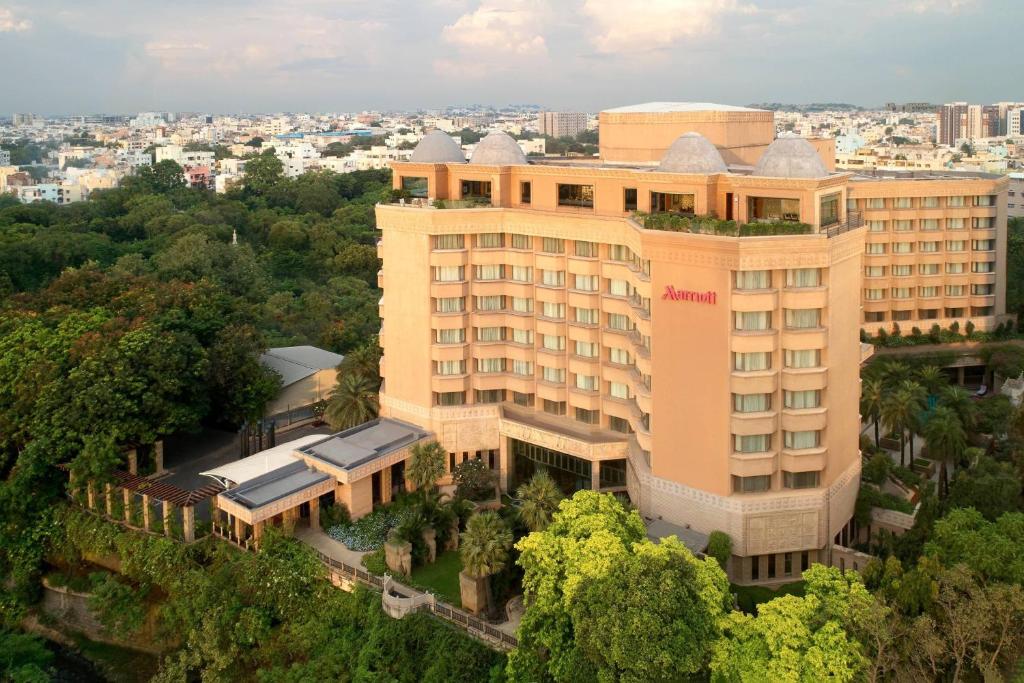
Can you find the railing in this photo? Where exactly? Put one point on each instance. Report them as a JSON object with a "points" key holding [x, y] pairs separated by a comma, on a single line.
{"points": [[854, 220]]}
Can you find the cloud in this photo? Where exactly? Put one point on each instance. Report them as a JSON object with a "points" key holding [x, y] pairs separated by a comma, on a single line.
{"points": [[510, 29], [631, 26], [936, 6], [9, 23]]}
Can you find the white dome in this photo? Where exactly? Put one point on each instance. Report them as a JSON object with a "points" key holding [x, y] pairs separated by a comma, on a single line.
{"points": [[791, 157], [498, 149], [437, 147], [692, 153]]}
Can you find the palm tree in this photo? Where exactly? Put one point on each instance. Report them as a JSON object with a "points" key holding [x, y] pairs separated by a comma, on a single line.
{"points": [[425, 466], [932, 378], [896, 372], [484, 548], [897, 412], [919, 398], [351, 402], [364, 361], [540, 496], [946, 441], [871, 396], [960, 402]]}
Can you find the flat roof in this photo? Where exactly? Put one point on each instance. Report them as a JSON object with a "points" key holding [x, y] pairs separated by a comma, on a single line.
{"points": [[658, 529], [257, 464], [294, 363], [893, 174], [364, 443], [280, 483], [667, 107]]}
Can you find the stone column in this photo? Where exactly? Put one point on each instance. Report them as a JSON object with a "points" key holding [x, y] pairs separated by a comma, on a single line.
{"points": [[314, 514], [257, 532], [960, 376], [108, 494], [504, 464], [167, 518], [133, 461], [127, 505], [145, 512], [239, 529], [188, 523], [595, 475], [158, 455], [385, 485]]}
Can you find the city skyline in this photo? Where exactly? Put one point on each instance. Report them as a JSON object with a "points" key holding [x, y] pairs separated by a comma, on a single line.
{"points": [[586, 55]]}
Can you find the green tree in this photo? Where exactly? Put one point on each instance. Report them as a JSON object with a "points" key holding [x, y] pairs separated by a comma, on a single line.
{"points": [[932, 378], [960, 401], [899, 410], [991, 487], [540, 497], [352, 401], [484, 549], [720, 547], [121, 608], [946, 442], [872, 392], [24, 658], [426, 465], [263, 173], [474, 480], [992, 549]]}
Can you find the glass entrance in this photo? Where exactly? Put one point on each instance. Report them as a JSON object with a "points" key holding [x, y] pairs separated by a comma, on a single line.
{"points": [[572, 474]]}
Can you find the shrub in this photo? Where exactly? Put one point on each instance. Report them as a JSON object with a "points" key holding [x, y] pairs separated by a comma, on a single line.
{"points": [[369, 533], [474, 480], [935, 334], [864, 338], [896, 331], [969, 328], [334, 515], [955, 327], [883, 336], [877, 469], [720, 547]]}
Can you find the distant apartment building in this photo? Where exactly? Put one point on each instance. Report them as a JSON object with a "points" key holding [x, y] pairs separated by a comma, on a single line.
{"points": [[982, 121], [184, 157], [1015, 121], [952, 123], [559, 124], [5, 157], [50, 192]]}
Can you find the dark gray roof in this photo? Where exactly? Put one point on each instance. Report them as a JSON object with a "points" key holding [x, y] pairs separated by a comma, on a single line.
{"points": [[365, 443], [658, 529], [437, 147], [298, 362], [274, 485]]}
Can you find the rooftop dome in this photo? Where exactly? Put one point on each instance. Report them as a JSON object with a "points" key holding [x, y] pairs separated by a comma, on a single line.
{"points": [[498, 149], [790, 157], [437, 147], [692, 153]]}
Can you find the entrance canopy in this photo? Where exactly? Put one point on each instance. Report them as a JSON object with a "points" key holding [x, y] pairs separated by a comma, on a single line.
{"points": [[264, 462]]}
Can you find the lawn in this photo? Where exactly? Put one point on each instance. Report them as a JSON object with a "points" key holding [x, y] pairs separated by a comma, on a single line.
{"points": [[440, 578], [749, 597]]}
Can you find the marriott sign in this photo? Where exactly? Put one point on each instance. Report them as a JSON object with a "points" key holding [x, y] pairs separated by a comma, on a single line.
{"points": [[673, 294]]}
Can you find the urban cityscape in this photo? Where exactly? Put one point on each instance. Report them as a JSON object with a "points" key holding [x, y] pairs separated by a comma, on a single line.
{"points": [[662, 389]]}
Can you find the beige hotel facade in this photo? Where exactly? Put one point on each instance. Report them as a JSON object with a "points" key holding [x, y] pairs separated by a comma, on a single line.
{"points": [[714, 380]]}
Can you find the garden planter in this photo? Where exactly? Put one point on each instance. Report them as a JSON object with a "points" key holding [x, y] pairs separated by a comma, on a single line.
{"points": [[398, 556], [474, 592]]}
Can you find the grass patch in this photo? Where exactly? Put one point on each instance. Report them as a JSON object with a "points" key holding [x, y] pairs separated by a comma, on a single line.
{"points": [[440, 578], [749, 597], [375, 563]]}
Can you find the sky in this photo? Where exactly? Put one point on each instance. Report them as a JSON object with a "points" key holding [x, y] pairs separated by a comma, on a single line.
{"points": [[227, 56]]}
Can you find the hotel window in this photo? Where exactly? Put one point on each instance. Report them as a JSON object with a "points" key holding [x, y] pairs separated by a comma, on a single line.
{"points": [[522, 304], [900, 292], [552, 278], [876, 226], [525, 192], [619, 424], [928, 247], [752, 361], [450, 304], [749, 321], [553, 245], [874, 271], [576, 195], [799, 480], [590, 417], [554, 407], [629, 199], [798, 440], [902, 247], [956, 245], [453, 336], [618, 321], [954, 224], [619, 356], [851, 204], [954, 268], [980, 311], [522, 367], [955, 202], [902, 203], [755, 484], [805, 358], [586, 349], [587, 382], [490, 240], [522, 274], [902, 226], [520, 399], [803, 277], [490, 303], [902, 270], [554, 311], [982, 290], [618, 288], [983, 245], [929, 224], [586, 283], [450, 398], [751, 403], [752, 443], [449, 273], [476, 189], [416, 187], [801, 400], [555, 375], [803, 318], [874, 317], [489, 396], [875, 248], [929, 202], [955, 290], [983, 267], [669, 202], [619, 390], [927, 292], [586, 249], [829, 208], [772, 209], [928, 313], [450, 367], [753, 279], [552, 342], [442, 242], [928, 269], [985, 200], [983, 223], [490, 334], [521, 241], [522, 336], [490, 365], [874, 294], [620, 252], [588, 316], [876, 203], [490, 272]]}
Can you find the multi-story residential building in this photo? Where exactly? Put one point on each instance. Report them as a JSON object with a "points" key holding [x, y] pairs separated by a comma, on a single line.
{"points": [[952, 123], [559, 124], [713, 378], [1014, 119], [5, 157]]}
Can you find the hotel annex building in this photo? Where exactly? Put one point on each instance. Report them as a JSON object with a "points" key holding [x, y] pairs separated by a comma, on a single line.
{"points": [[535, 323]]}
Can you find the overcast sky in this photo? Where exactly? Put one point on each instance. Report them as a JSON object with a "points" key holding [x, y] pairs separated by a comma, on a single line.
{"points": [[349, 55]]}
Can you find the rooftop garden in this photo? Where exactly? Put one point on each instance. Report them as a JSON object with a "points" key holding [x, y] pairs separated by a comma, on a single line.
{"points": [[895, 336], [710, 225]]}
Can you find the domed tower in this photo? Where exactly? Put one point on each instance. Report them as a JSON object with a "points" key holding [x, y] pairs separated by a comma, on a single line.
{"points": [[692, 153], [498, 149], [437, 147], [790, 156]]}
